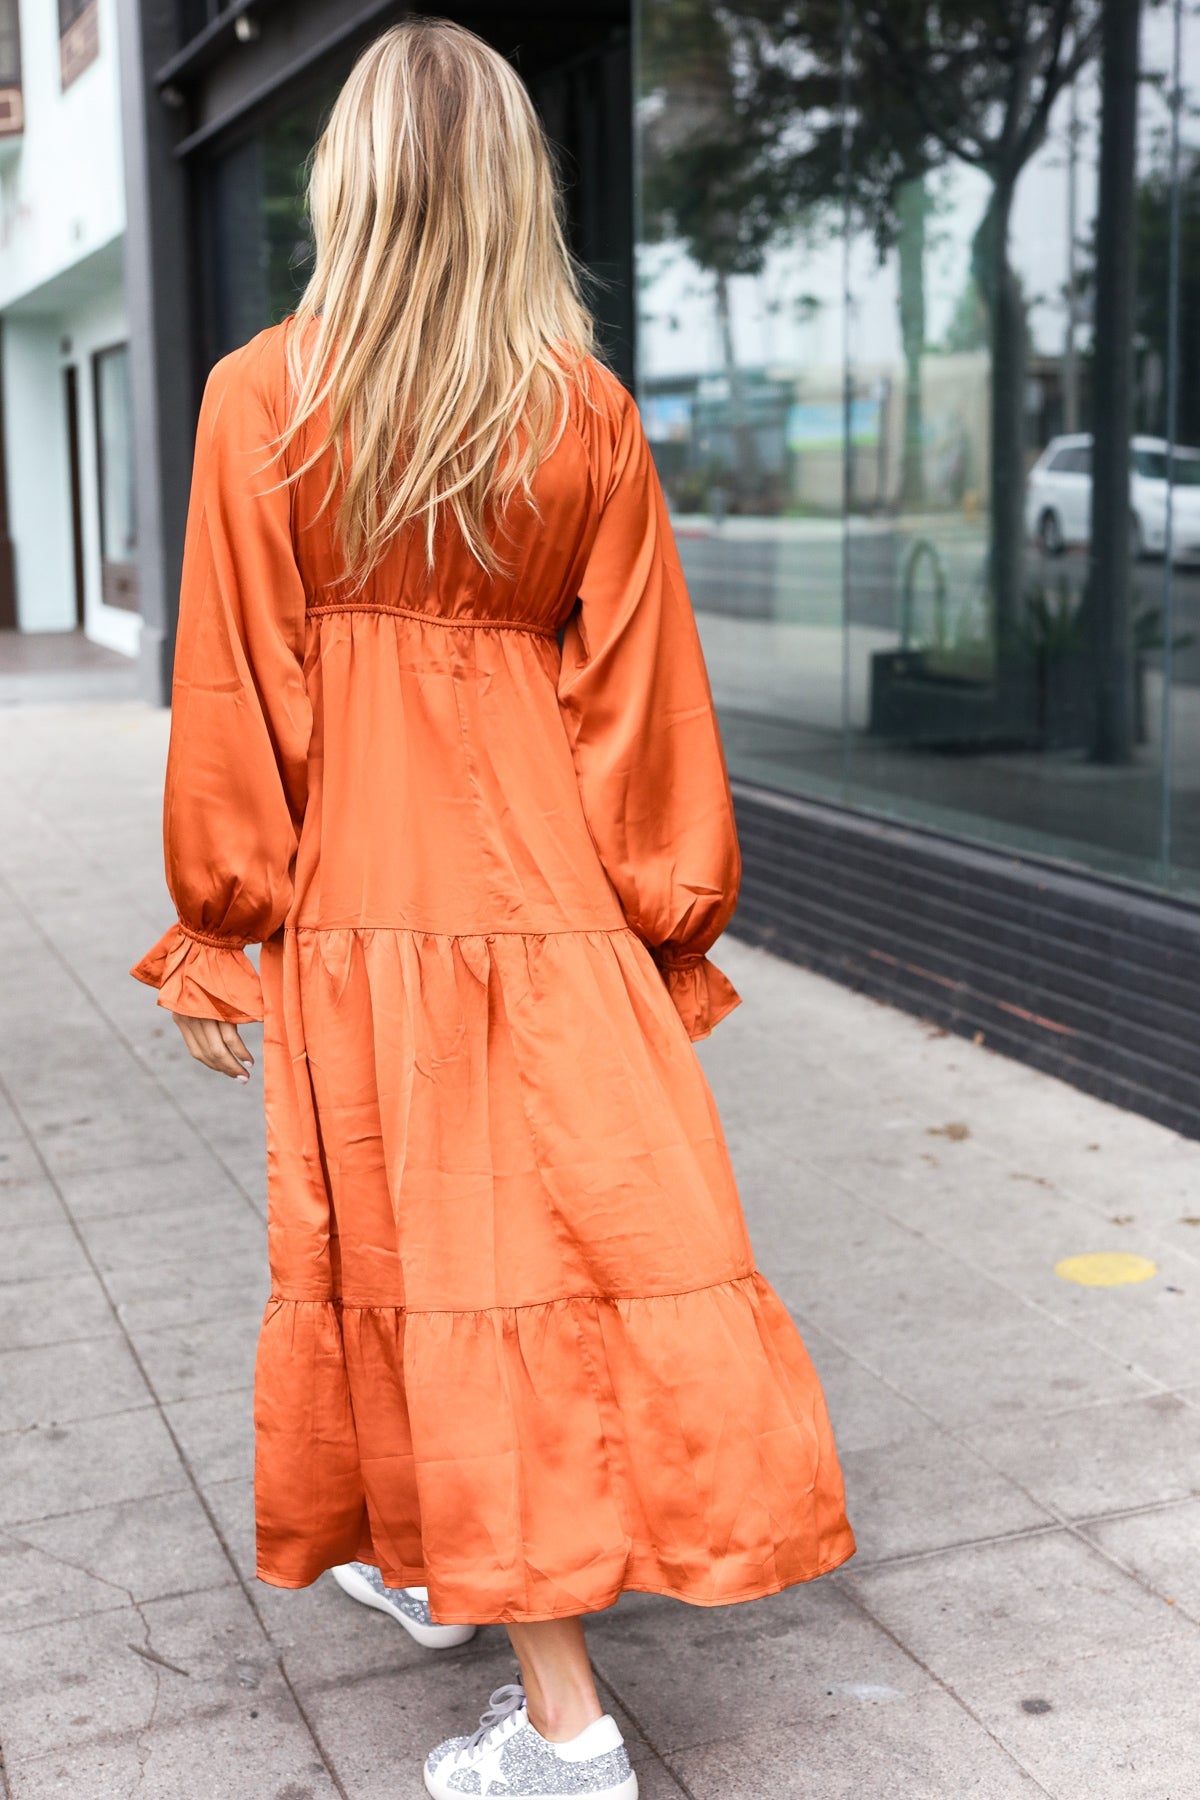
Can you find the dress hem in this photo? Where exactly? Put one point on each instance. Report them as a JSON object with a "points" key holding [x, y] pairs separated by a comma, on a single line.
{"points": [[653, 1489], [514, 1616]]}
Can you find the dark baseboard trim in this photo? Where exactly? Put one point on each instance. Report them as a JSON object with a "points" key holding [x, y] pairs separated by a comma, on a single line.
{"points": [[1094, 981]]}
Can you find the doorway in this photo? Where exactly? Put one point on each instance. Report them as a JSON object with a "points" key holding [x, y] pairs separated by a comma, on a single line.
{"points": [[71, 387]]}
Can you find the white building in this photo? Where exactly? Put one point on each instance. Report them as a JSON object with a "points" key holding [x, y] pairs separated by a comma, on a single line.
{"points": [[64, 364]]}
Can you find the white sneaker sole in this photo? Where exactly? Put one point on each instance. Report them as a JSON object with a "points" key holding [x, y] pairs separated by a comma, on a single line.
{"points": [[430, 1637], [628, 1790]]}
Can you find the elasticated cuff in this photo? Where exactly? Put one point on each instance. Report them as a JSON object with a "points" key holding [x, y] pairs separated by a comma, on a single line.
{"points": [[702, 995], [202, 977]]}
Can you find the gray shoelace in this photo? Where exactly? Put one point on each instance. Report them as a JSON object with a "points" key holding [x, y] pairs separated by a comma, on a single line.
{"points": [[503, 1703]]}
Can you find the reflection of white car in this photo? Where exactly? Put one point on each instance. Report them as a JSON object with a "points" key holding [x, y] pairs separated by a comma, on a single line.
{"points": [[1058, 497]]}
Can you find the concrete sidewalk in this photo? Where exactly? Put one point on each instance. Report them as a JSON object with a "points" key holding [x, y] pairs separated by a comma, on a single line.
{"points": [[1022, 1453]]}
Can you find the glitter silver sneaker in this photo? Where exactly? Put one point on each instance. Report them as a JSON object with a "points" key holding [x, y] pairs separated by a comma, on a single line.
{"points": [[408, 1606], [507, 1757]]}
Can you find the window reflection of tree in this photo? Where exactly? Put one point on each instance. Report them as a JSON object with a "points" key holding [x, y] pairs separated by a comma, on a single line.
{"points": [[775, 113], [772, 117]]}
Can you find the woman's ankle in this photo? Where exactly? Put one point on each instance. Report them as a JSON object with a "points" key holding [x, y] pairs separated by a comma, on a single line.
{"points": [[564, 1717], [556, 1673]]}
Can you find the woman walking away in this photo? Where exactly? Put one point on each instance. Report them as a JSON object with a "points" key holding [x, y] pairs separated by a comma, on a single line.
{"points": [[443, 744]]}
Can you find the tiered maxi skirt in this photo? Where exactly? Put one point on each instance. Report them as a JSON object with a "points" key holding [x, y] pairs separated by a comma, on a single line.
{"points": [[553, 1373]]}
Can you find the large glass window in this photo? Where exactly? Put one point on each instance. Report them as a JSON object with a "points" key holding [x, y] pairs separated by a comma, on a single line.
{"points": [[943, 532], [116, 480], [261, 246]]}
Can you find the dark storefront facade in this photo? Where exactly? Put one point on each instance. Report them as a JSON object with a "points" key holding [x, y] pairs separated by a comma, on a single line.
{"points": [[874, 272]]}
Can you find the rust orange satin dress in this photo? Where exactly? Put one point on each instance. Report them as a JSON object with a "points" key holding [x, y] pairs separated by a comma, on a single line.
{"points": [[517, 1348]]}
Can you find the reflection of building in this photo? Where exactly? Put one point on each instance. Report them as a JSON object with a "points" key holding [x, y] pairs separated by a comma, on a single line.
{"points": [[909, 696], [800, 420], [68, 451]]}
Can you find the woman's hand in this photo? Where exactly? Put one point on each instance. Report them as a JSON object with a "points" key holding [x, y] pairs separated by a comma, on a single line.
{"points": [[216, 1044]]}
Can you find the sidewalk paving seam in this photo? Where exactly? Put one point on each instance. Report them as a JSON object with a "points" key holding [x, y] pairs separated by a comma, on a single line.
{"points": [[810, 1326], [1021, 1534], [1178, 1609], [999, 1158], [673, 1774], [67, 1562], [152, 1069], [77, 1512], [965, 1262], [104, 1612], [19, 1115], [861, 1605], [213, 1709], [1142, 1510], [610, 1687], [116, 1412], [1059, 1519], [70, 1343]]}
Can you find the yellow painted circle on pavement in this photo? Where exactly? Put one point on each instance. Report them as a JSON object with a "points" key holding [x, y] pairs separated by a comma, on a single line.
{"points": [[1106, 1268]]}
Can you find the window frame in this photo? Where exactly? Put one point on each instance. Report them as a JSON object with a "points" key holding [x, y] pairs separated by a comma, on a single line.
{"points": [[118, 575]]}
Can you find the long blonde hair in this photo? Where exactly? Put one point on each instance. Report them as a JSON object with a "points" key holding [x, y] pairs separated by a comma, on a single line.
{"points": [[444, 315]]}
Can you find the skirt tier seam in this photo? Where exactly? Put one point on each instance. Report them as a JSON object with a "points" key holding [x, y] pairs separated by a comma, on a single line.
{"points": [[467, 1312]]}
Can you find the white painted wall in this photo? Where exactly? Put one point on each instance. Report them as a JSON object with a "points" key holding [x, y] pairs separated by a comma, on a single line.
{"points": [[62, 192], [62, 219], [96, 324], [39, 494]]}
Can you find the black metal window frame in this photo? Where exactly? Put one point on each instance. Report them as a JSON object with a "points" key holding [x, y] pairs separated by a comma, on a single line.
{"points": [[198, 16]]}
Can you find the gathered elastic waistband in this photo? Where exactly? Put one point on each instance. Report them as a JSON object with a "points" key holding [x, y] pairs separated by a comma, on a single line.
{"points": [[530, 626]]}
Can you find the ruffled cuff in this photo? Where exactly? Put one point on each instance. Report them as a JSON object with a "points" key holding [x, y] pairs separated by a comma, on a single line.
{"points": [[202, 977], [702, 995]]}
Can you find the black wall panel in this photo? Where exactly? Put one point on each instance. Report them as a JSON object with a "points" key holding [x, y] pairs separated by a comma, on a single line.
{"points": [[1089, 980]]}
